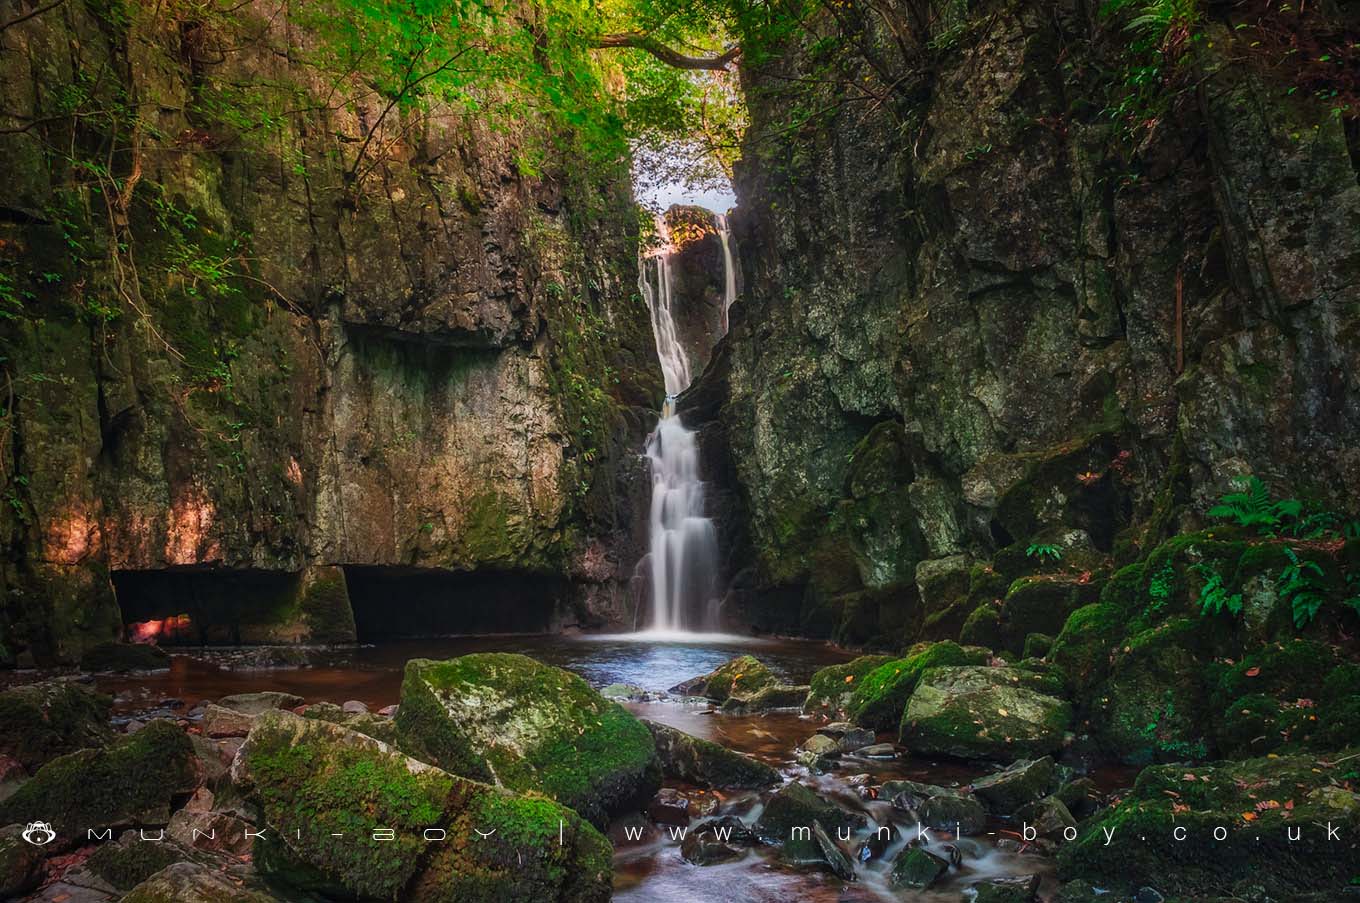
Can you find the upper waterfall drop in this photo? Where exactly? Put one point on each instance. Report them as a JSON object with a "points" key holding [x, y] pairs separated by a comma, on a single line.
{"points": [[682, 560]]}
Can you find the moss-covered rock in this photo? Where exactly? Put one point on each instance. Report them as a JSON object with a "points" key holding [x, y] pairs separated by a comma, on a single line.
{"points": [[697, 761], [1154, 705], [1164, 830], [20, 863], [134, 782], [255, 703], [832, 688], [742, 676], [39, 722], [375, 726], [192, 882], [1037, 645], [1019, 783], [129, 861], [983, 627], [322, 779], [916, 868], [1083, 649], [124, 657], [882, 694], [767, 699], [988, 713], [528, 726], [789, 816]]}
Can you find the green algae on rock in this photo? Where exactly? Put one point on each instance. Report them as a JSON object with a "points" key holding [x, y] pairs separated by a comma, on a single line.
{"points": [[987, 713], [322, 779], [39, 722], [881, 696], [525, 725], [832, 688], [697, 761]]}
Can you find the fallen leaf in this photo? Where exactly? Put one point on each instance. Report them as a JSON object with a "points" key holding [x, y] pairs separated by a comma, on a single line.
{"points": [[849, 678], [1253, 671], [1249, 816], [1002, 712]]}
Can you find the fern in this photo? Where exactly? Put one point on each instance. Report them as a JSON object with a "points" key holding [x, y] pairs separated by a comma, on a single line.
{"points": [[1042, 551], [1300, 584], [1252, 506], [1214, 596], [1352, 600]]}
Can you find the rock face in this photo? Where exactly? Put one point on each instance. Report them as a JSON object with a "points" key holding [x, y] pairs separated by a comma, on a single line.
{"points": [[429, 358], [315, 777], [985, 312], [510, 720], [698, 286], [988, 713]]}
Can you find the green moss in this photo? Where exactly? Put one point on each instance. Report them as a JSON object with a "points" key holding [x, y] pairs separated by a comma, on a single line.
{"points": [[1082, 650], [983, 627], [568, 741], [39, 722], [125, 865], [831, 689], [882, 695], [1037, 645], [132, 782]]}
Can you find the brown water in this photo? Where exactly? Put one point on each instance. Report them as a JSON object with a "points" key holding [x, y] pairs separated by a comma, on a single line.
{"points": [[648, 869]]}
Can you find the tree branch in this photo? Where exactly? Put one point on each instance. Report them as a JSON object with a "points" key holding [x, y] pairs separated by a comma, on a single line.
{"points": [[666, 54]]}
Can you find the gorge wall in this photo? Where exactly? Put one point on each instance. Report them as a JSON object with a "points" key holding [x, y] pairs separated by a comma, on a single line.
{"points": [[983, 311], [261, 324]]}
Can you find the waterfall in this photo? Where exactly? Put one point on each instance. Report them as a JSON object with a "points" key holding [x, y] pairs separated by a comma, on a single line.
{"points": [[682, 560]]}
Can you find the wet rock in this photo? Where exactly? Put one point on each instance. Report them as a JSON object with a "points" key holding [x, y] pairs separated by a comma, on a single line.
{"points": [[255, 703], [388, 711], [688, 758], [39, 722], [375, 726], [219, 722], [191, 882], [1048, 816], [1018, 889], [12, 774], [131, 783], [831, 689], [917, 868], [742, 676], [848, 737], [122, 657], [789, 816], [766, 699], [818, 746], [1280, 794], [669, 807], [354, 707], [717, 840], [877, 751], [128, 861], [1021, 782], [1081, 797], [832, 853], [957, 814], [625, 692], [981, 712], [875, 845], [909, 795], [214, 832], [532, 726], [20, 862], [301, 773], [883, 693]]}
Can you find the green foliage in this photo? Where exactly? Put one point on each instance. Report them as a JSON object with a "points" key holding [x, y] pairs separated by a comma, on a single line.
{"points": [[1160, 588], [1252, 506], [1213, 595], [1044, 551], [1300, 583]]}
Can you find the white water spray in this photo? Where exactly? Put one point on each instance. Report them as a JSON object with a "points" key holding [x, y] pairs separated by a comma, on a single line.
{"points": [[683, 555]]}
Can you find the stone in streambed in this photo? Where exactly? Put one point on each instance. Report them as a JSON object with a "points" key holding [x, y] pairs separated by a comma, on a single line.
{"points": [[816, 752], [789, 816], [916, 868], [848, 737], [20, 863], [717, 840], [192, 882], [528, 726], [131, 783], [669, 807], [219, 722], [831, 689], [39, 722], [127, 862], [985, 713], [766, 699], [692, 759], [1018, 889], [741, 676], [1081, 797], [883, 693], [1048, 816], [320, 778], [877, 751], [255, 703], [957, 814], [1020, 783], [832, 853]]}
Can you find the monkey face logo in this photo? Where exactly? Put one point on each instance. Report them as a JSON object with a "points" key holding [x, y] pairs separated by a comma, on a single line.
{"points": [[39, 833]]}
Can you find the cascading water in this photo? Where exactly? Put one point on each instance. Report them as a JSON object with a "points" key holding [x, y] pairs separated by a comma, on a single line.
{"points": [[683, 555]]}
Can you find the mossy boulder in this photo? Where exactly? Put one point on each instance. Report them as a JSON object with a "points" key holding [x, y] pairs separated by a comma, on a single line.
{"points": [[129, 861], [1083, 649], [322, 779], [985, 713], [882, 694], [39, 722], [192, 882], [134, 782], [124, 657], [20, 863], [1037, 645], [767, 699], [697, 761], [744, 675], [263, 701], [1154, 706], [916, 868], [1164, 830], [831, 689], [789, 816], [375, 726], [1040, 603], [528, 726]]}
